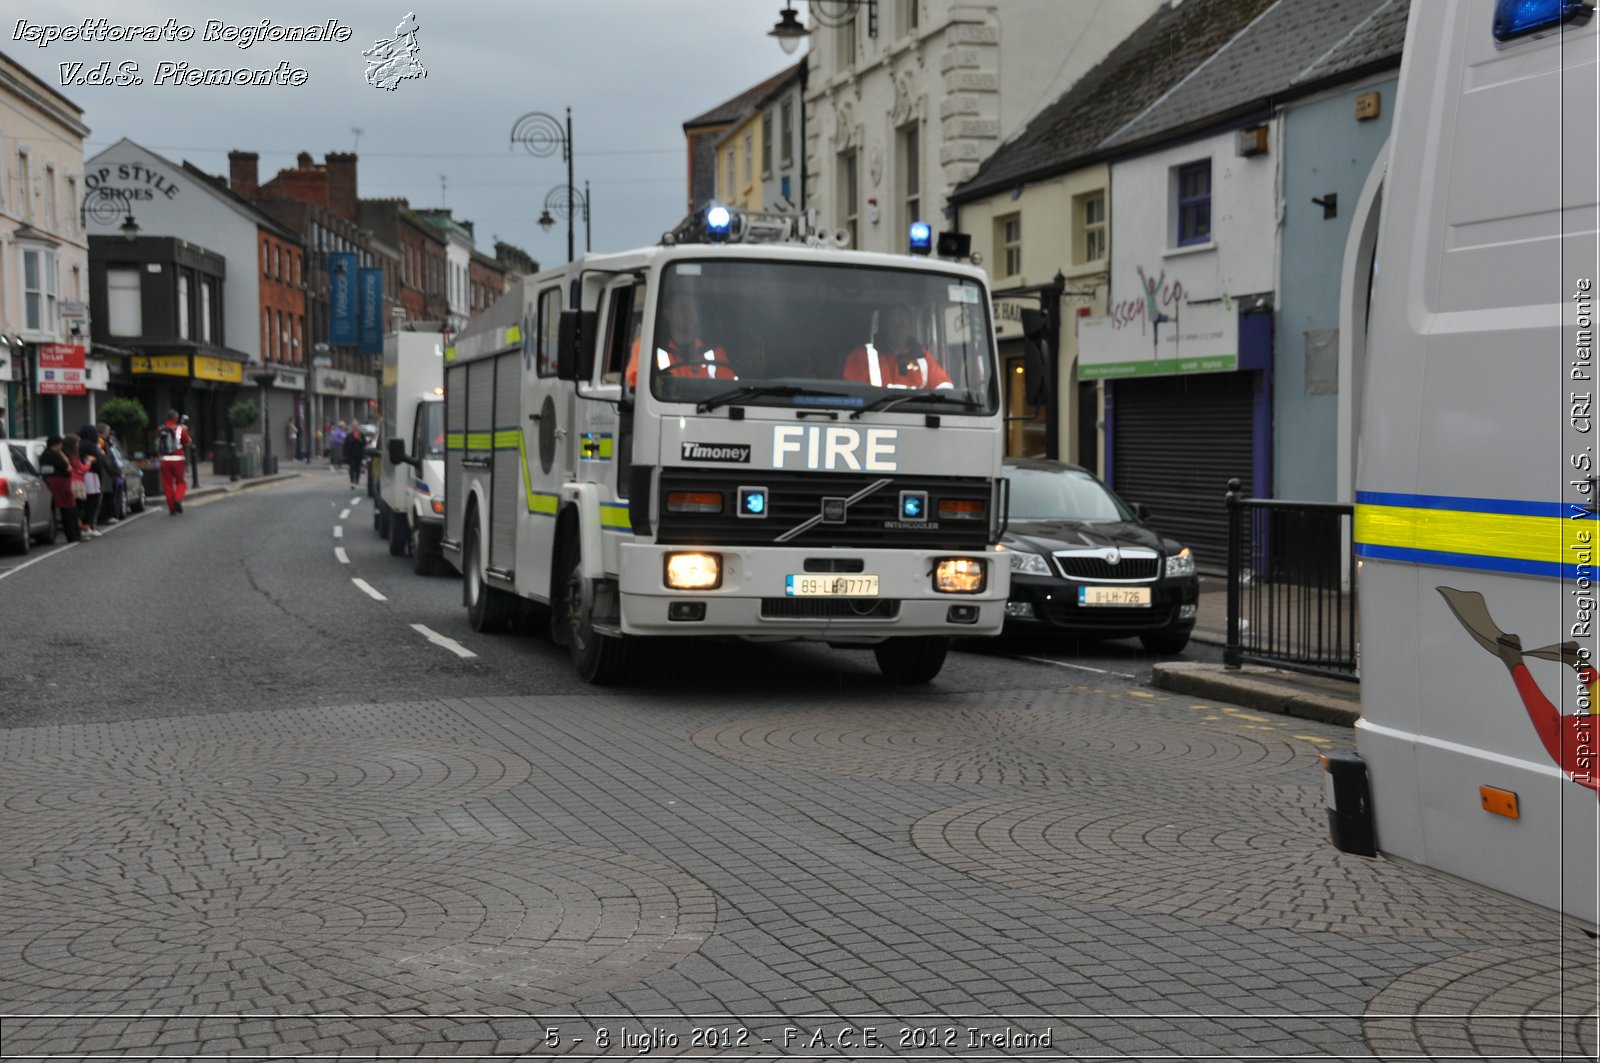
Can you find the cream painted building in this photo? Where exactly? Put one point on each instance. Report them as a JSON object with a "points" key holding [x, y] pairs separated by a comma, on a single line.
{"points": [[44, 252], [902, 107], [738, 164]]}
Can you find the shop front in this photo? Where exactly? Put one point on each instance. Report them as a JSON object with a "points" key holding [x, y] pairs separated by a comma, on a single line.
{"points": [[1188, 407], [339, 395], [202, 386]]}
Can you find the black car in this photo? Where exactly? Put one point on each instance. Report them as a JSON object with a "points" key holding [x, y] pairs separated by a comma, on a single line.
{"points": [[1083, 562]]}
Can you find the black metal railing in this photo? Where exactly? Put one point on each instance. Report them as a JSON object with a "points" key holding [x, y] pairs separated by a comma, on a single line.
{"points": [[1291, 585]]}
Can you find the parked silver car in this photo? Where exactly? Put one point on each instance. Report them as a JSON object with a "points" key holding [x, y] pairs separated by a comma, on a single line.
{"points": [[131, 473], [25, 514]]}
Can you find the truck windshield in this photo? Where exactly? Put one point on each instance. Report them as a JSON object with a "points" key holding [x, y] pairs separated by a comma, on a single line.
{"points": [[837, 335]]}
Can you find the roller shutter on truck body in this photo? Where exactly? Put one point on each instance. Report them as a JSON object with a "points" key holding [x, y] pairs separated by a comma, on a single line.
{"points": [[508, 436], [455, 427]]}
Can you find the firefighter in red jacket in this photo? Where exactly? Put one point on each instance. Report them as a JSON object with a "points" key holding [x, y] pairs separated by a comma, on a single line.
{"points": [[172, 443], [897, 360], [682, 352]]}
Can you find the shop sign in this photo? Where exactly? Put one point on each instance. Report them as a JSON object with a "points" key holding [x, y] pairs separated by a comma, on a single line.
{"points": [[75, 317], [97, 374], [1180, 338], [371, 311], [291, 380], [60, 356], [219, 369], [342, 299], [161, 364]]}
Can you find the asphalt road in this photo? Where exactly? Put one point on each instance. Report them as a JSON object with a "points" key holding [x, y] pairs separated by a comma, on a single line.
{"points": [[250, 600]]}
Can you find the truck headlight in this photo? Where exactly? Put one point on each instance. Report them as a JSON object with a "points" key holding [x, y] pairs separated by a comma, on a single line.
{"points": [[1029, 564], [960, 575], [1180, 564], [694, 571]]}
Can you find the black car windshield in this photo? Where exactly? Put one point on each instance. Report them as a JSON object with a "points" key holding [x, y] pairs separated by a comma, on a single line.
{"points": [[1064, 494], [835, 336]]}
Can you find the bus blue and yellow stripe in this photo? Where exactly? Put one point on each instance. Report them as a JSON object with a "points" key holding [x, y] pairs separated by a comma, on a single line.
{"points": [[1550, 539]]}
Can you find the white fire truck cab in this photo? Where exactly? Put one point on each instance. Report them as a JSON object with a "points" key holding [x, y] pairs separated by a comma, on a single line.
{"points": [[726, 440], [410, 510]]}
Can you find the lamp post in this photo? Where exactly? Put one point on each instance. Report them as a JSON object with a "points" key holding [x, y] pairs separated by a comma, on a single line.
{"points": [[105, 205], [789, 31], [541, 134], [265, 378], [564, 200]]}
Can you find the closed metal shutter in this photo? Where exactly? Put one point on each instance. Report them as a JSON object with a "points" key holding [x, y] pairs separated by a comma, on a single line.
{"points": [[1176, 442], [455, 425], [507, 462]]}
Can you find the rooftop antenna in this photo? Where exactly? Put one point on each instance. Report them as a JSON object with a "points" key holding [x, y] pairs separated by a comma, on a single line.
{"points": [[357, 130]]}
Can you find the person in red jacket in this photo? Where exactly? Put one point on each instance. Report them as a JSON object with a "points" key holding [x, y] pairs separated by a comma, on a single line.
{"points": [[172, 443], [682, 352], [896, 359]]}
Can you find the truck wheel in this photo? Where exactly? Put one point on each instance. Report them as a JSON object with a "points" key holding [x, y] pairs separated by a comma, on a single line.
{"points": [[424, 559], [380, 520], [397, 534], [488, 608], [911, 659], [597, 658]]}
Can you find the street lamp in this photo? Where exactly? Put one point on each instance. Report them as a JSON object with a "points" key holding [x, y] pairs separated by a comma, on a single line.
{"points": [[265, 378], [830, 13], [108, 204], [564, 200], [541, 134]]}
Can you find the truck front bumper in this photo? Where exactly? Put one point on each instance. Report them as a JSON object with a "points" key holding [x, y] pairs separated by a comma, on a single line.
{"points": [[754, 598]]}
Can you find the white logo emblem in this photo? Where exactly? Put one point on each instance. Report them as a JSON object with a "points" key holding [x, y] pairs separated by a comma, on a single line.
{"points": [[393, 61]]}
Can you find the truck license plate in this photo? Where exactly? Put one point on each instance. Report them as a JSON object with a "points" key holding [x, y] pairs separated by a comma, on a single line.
{"points": [[830, 586], [1113, 595]]}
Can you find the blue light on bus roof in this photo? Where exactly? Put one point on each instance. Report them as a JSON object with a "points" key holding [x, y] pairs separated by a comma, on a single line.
{"points": [[1515, 18], [921, 238], [719, 220]]}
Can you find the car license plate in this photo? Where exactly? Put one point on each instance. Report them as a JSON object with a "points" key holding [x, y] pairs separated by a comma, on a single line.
{"points": [[831, 586], [1113, 595]]}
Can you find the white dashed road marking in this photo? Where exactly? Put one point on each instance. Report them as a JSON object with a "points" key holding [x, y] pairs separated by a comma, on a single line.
{"points": [[343, 513], [338, 531], [369, 590], [1064, 664], [344, 558], [439, 640]]}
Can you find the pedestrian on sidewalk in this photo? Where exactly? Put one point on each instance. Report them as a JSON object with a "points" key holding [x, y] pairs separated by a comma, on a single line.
{"points": [[69, 447], [336, 444], [113, 486], [93, 471], [294, 440], [172, 441], [355, 454], [57, 470], [191, 452]]}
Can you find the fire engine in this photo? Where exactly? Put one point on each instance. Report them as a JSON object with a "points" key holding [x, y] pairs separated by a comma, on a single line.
{"points": [[716, 436]]}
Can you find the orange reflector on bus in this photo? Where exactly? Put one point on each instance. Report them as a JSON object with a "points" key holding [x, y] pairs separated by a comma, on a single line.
{"points": [[1500, 802]]}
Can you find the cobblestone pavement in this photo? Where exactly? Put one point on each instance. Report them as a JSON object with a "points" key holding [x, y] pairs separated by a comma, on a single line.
{"points": [[1086, 871]]}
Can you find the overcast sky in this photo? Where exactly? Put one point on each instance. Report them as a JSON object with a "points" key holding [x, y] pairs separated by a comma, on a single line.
{"points": [[631, 70]]}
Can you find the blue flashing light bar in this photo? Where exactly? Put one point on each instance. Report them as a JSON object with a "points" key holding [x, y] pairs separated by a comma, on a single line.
{"points": [[921, 238], [719, 222], [1518, 18]]}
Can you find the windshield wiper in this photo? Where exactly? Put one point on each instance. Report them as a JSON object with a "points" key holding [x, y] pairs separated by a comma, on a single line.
{"points": [[751, 391], [889, 402]]}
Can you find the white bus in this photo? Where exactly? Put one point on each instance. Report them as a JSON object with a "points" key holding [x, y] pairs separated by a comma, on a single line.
{"points": [[1475, 485]]}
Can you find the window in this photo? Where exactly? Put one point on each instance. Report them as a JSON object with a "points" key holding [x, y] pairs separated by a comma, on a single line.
{"points": [[123, 302], [910, 15], [727, 192], [24, 187], [845, 36], [50, 196], [277, 262], [1008, 237], [622, 328], [1194, 203], [786, 129], [749, 157], [849, 175], [766, 144], [183, 305], [1089, 243], [266, 333], [206, 335], [549, 330], [72, 201], [39, 291], [911, 166]]}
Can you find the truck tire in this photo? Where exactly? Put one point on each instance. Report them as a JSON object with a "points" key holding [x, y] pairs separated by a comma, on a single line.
{"points": [[598, 659], [425, 559], [380, 519], [488, 608], [397, 534], [910, 660]]}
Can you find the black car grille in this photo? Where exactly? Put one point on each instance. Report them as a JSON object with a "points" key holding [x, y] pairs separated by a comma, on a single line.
{"points": [[796, 497], [830, 608], [1091, 567]]}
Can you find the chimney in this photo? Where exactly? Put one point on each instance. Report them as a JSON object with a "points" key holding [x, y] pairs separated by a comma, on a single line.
{"points": [[242, 175], [304, 160], [341, 166]]}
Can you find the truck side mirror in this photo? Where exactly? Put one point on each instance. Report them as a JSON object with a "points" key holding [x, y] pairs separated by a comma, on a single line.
{"points": [[1036, 357], [575, 345], [397, 452]]}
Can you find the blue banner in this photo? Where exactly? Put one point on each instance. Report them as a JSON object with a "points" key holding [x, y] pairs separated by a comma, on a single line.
{"points": [[342, 299], [371, 311]]}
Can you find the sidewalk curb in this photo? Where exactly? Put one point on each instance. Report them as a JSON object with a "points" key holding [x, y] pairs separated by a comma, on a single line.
{"points": [[240, 485], [1251, 688]]}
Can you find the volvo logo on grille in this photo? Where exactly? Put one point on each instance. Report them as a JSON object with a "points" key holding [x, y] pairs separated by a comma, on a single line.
{"points": [[738, 453], [835, 510]]}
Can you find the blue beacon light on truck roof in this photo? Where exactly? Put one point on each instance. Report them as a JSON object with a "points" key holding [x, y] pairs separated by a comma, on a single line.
{"points": [[921, 238], [1518, 18]]}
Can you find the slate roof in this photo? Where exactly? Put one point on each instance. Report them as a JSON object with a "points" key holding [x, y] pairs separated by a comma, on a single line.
{"points": [[1136, 73], [742, 104], [1190, 66]]}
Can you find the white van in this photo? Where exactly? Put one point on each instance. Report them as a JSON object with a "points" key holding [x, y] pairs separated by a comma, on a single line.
{"points": [[411, 487]]}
